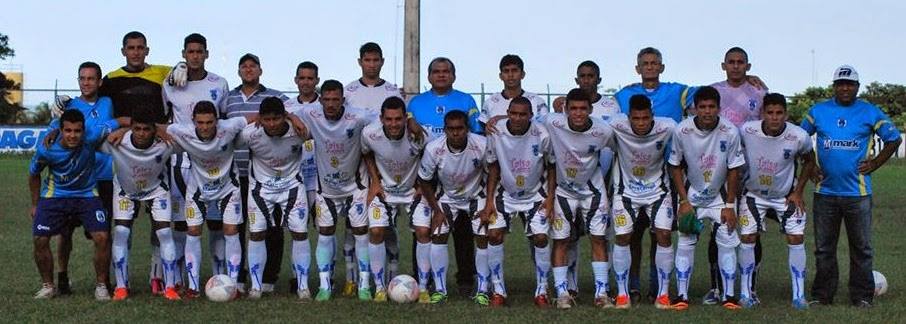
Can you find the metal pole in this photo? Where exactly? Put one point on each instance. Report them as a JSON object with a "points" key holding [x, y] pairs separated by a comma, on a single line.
{"points": [[411, 39]]}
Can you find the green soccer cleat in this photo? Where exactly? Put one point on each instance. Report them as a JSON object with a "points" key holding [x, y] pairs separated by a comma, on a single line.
{"points": [[323, 295], [438, 298], [365, 294], [481, 299]]}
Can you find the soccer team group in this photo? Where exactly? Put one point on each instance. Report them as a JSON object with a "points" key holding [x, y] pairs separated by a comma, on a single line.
{"points": [[658, 157]]}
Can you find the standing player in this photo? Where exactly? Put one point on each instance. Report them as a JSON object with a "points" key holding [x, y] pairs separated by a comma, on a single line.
{"points": [[68, 192], [142, 178], [523, 149], [275, 200], [512, 71], [392, 158], [581, 207], [641, 186], [706, 152], [774, 146], [588, 78], [457, 161]]}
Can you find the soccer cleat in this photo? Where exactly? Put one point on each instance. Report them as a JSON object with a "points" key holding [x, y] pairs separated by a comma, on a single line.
{"points": [[424, 297], [542, 302], [498, 300], [293, 285], [303, 295], [157, 287], [192, 294], [438, 298], [101, 293], [267, 288], [47, 291], [120, 294], [240, 287], [603, 302], [573, 293], [623, 302], [755, 299], [565, 301], [172, 294], [662, 302], [64, 288], [731, 303], [800, 304], [747, 302], [255, 293], [712, 297], [481, 299], [635, 296], [679, 304], [365, 294], [349, 289], [380, 296], [323, 295]]}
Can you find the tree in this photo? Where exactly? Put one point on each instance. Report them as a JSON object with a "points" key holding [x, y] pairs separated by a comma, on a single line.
{"points": [[8, 111], [891, 98], [801, 102], [5, 50]]}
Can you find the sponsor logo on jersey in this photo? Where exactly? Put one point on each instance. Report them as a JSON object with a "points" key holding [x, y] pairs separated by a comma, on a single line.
{"points": [[848, 145]]}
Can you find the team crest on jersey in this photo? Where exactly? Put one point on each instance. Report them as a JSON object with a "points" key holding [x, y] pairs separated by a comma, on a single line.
{"points": [[359, 208], [753, 104], [350, 132], [213, 94], [535, 150], [476, 163], [440, 109], [163, 204], [723, 146], [295, 148], [224, 147], [413, 151], [592, 148], [841, 122], [787, 153], [94, 113], [659, 145], [158, 158]]}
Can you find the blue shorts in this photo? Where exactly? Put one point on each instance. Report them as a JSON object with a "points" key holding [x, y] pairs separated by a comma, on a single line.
{"points": [[54, 214]]}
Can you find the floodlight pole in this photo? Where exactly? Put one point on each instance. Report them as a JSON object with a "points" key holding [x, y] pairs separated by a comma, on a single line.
{"points": [[411, 47]]}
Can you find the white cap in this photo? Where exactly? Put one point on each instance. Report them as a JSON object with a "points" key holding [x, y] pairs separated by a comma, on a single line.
{"points": [[846, 72]]}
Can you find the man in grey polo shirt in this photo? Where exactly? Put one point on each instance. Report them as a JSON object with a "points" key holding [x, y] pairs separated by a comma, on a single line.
{"points": [[241, 101]]}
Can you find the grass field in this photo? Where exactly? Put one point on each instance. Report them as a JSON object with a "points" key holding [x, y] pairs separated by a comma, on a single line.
{"points": [[21, 280]]}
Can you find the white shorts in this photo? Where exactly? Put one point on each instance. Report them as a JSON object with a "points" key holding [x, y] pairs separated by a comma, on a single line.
{"points": [[384, 214], [575, 217], [228, 207], [421, 216], [626, 212], [286, 208], [181, 180], [534, 218], [723, 236], [128, 209], [352, 207], [754, 211]]}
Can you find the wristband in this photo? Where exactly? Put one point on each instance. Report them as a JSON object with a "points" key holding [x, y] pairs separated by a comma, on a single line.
{"points": [[730, 205]]}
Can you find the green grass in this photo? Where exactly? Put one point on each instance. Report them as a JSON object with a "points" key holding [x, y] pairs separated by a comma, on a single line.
{"points": [[20, 280]]}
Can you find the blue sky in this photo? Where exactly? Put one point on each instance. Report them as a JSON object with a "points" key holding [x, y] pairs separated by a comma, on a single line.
{"points": [[551, 36]]}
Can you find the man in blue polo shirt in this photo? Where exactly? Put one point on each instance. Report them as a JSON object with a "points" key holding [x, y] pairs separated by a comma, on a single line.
{"points": [[428, 109], [66, 194], [845, 128]]}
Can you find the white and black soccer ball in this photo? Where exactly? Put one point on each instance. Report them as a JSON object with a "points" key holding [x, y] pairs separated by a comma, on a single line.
{"points": [[403, 289], [220, 288], [880, 283]]}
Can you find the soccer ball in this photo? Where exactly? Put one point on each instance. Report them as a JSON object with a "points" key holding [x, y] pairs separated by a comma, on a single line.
{"points": [[403, 289], [880, 283], [220, 288]]}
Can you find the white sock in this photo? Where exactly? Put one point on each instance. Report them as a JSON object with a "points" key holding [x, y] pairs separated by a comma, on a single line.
{"points": [[663, 259], [179, 241], [217, 248], [726, 260], [301, 262], [560, 284], [349, 245], [257, 252], [572, 259], [746, 266], [121, 255], [324, 253], [423, 261], [378, 256], [685, 259], [167, 256], [621, 260], [481, 269], [797, 269], [542, 268], [439, 262], [361, 251], [495, 263], [233, 251], [193, 256], [157, 270], [600, 269]]}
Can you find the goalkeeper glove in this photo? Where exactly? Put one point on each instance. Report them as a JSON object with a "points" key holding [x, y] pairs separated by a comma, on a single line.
{"points": [[59, 105], [179, 75], [689, 224]]}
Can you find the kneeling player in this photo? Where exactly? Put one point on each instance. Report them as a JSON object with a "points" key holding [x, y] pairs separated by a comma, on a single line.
{"points": [[773, 146], [392, 157], [276, 197], [641, 186], [523, 147], [706, 152], [141, 177], [457, 160]]}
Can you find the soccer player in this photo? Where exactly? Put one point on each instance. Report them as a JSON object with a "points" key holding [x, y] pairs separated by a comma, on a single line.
{"points": [[67, 193], [512, 71], [276, 198], [581, 205], [588, 78], [456, 161], [202, 85], [368, 93], [641, 185], [518, 161], [774, 146], [845, 127], [392, 158], [706, 152], [142, 178], [245, 100]]}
